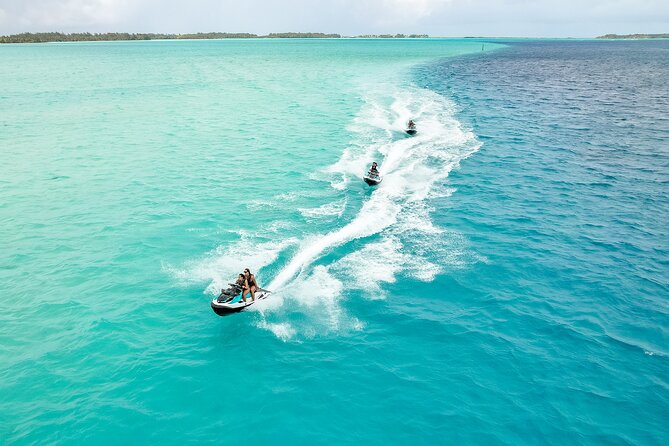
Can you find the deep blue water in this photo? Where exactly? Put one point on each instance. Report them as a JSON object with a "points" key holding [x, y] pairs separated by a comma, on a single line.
{"points": [[567, 336]]}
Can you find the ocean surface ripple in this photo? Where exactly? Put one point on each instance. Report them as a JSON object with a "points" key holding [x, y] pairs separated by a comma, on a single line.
{"points": [[568, 200], [507, 283]]}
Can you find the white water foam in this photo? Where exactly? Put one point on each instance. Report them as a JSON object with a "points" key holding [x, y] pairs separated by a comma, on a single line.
{"points": [[276, 201], [411, 168], [395, 218], [222, 265], [334, 209], [393, 225], [316, 312], [389, 261]]}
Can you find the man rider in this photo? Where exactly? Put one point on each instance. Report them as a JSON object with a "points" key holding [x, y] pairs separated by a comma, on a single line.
{"points": [[373, 171], [412, 125], [234, 289]]}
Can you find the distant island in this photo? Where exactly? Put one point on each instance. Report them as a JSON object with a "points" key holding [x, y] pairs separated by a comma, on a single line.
{"points": [[99, 37], [393, 36], [634, 36]]}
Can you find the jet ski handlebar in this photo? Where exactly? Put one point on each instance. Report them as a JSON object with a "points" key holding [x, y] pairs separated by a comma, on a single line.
{"points": [[240, 287]]}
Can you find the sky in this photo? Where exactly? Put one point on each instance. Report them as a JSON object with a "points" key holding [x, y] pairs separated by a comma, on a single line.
{"points": [[519, 18]]}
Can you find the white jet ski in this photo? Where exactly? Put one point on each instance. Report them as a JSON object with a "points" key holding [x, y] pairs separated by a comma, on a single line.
{"points": [[372, 179], [231, 300]]}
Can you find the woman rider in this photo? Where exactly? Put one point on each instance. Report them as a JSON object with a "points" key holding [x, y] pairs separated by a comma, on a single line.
{"points": [[251, 285]]}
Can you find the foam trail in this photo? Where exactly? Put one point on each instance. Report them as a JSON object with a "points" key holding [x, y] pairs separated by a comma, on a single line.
{"points": [[327, 210], [361, 226], [307, 300], [219, 265], [411, 167]]}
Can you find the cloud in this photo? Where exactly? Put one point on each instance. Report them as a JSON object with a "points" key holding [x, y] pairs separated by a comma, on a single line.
{"points": [[435, 17], [41, 15], [398, 12], [552, 17]]}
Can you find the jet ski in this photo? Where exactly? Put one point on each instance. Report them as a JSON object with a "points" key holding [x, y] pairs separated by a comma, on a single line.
{"points": [[372, 179], [411, 128], [230, 301]]}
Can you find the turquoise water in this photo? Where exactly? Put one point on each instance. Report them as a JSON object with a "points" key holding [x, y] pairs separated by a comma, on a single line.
{"points": [[506, 284]]}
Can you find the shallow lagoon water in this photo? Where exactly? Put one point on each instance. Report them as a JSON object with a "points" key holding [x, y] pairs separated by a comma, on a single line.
{"points": [[506, 284]]}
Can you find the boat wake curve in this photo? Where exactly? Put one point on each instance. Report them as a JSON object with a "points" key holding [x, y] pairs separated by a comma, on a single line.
{"points": [[393, 223]]}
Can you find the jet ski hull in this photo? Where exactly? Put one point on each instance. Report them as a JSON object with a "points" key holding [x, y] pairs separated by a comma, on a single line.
{"points": [[226, 308], [372, 181], [411, 131]]}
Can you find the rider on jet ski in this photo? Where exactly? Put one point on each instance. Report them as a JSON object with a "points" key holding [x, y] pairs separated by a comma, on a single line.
{"points": [[373, 171], [234, 289], [251, 285]]}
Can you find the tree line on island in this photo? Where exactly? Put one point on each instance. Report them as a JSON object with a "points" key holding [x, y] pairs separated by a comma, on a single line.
{"points": [[98, 37], [634, 36], [394, 36]]}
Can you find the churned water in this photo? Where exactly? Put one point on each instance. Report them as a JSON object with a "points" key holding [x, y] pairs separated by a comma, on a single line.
{"points": [[505, 284]]}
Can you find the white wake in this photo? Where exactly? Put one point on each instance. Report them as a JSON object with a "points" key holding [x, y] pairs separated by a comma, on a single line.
{"points": [[393, 224]]}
